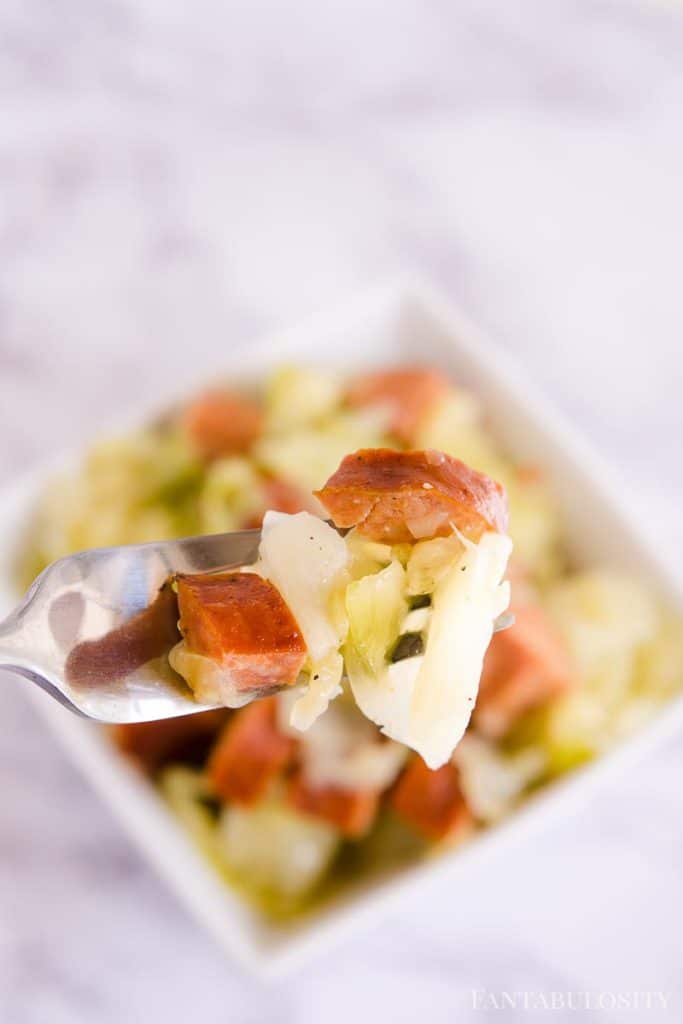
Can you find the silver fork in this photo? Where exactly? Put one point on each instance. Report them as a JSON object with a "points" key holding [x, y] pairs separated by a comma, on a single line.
{"points": [[94, 628]]}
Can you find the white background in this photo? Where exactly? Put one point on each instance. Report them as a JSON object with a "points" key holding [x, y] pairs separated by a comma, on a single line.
{"points": [[176, 178]]}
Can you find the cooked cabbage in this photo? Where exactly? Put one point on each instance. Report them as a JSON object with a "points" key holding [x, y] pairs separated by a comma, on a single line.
{"points": [[535, 524], [455, 427], [324, 684], [300, 397], [492, 781], [628, 657], [306, 560], [376, 605], [308, 456], [275, 855], [605, 618], [129, 490], [659, 671], [209, 683], [429, 561], [342, 748], [230, 495], [465, 604], [366, 556], [426, 701], [186, 791], [276, 851]]}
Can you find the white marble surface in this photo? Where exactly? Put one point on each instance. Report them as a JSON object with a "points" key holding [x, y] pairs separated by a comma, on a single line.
{"points": [[175, 178]]}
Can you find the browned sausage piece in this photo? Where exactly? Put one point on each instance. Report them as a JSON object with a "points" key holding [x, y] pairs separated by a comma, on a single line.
{"points": [[279, 496], [186, 738], [241, 622], [222, 423], [525, 666], [396, 497], [351, 811], [409, 393], [431, 801], [249, 754]]}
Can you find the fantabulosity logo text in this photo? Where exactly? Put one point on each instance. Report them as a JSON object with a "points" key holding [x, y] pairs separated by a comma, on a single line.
{"points": [[579, 1000]]}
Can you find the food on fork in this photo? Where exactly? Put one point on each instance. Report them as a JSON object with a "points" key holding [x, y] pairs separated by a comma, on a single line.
{"points": [[403, 605], [396, 498], [293, 816], [240, 639]]}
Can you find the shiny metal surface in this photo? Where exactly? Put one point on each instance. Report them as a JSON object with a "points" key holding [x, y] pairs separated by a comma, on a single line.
{"points": [[83, 632], [87, 596]]}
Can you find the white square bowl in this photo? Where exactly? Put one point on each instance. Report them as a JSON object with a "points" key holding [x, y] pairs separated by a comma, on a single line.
{"points": [[405, 322]]}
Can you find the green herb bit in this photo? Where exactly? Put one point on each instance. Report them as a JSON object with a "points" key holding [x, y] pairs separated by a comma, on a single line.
{"points": [[407, 646]]}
